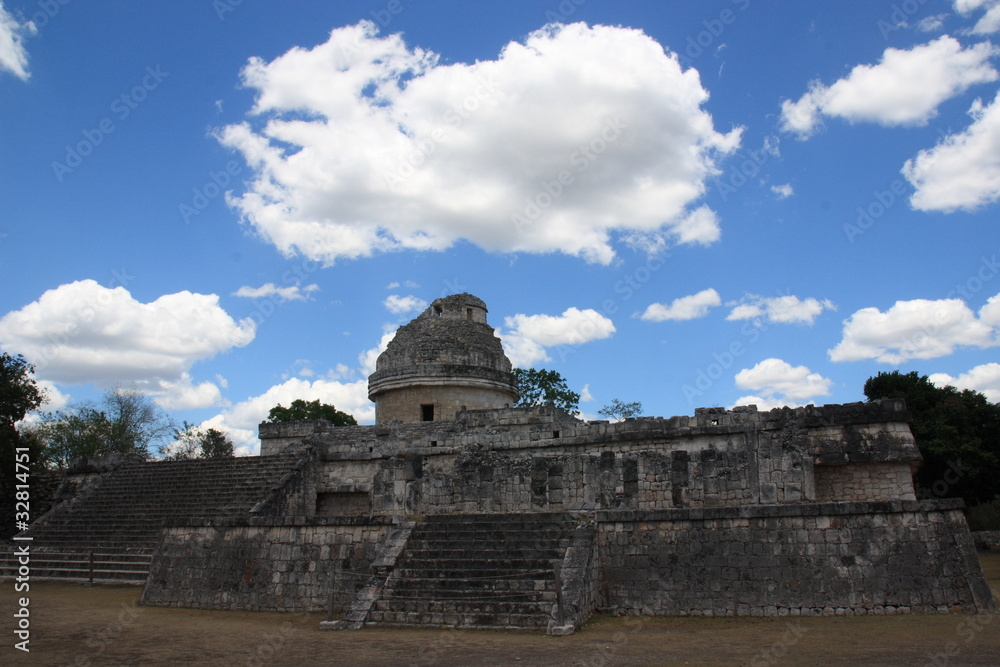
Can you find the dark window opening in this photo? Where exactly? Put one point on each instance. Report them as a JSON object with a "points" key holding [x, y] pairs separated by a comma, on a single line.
{"points": [[434, 443], [468, 314], [555, 434], [438, 310], [427, 413]]}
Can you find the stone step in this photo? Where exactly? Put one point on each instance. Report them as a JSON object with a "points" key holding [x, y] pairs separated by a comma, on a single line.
{"points": [[461, 551], [480, 584], [482, 621], [498, 517], [465, 606], [482, 563], [464, 593]]}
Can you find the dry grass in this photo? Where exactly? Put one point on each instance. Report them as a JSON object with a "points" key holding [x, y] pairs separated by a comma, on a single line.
{"points": [[77, 625]]}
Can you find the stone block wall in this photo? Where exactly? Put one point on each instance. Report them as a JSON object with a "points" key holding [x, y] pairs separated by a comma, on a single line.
{"points": [[818, 559], [861, 482], [275, 437], [490, 481], [289, 564], [405, 404]]}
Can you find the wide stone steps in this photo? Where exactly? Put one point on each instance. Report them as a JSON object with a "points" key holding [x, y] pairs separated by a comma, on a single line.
{"points": [[127, 508], [476, 571]]}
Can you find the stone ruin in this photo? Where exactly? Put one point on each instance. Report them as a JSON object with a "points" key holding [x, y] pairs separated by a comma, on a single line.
{"points": [[457, 510]]}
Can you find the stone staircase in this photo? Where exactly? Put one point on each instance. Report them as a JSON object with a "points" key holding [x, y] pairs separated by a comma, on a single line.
{"points": [[476, 571], [109, 531]]}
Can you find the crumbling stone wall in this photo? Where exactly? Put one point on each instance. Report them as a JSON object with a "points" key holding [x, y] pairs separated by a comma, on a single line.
{"points": [[278, 564], [526, 460], [860, 482], [821, 559]]}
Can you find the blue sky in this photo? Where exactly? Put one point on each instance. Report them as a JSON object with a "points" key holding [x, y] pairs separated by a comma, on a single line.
{"points": [[233, 204]]}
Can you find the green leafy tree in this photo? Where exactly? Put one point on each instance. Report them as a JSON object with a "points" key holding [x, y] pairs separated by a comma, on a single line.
{"points": [[619, 410], [192, 442], [19, 395], [957, 432], [124, 421], [300, 410], [545, 387], [19, 392]]}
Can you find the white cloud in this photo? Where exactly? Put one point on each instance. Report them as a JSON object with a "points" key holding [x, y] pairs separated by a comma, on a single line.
{"points": [[684, 308], [185, 395], [788, 309], [83, 332], [779, 383], [527, 336], [783, 191], [917, 329], [278, 294], [931, 23], [585, 395], [54, 398], [984, 379], [409, 284], [764, 403], [905, 88], [362, 145], [989, 22], [963, 170], [369, 358], [13, 56], [400, 305]]}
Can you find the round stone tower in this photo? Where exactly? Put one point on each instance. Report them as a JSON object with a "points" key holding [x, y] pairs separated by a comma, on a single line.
{"points": [[445, 359]]}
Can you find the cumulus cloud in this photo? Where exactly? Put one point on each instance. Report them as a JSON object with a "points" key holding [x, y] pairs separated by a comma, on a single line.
{"points": [[363, 145], [54, 398], [83, 332], [917, 329], [984, 379], [904, 88], [684, 308], [272, 291], [13, 56], [526, 337], [778, 383], [963, 170], [400, 305], [989, 22], [787, 309]]}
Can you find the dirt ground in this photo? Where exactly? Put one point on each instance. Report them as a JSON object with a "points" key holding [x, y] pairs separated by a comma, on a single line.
{"points": [[102, 625]]}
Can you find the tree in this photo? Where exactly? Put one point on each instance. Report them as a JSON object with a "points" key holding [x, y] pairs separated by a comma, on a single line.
{"points": [[125, 421], [957, 432], [192, 442], [618, 410], [544, 387], [300, 410], [19, 395]]}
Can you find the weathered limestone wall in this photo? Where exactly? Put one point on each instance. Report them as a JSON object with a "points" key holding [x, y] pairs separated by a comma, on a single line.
{"points": [[819, 559], [405, 404], [275, 437], [861, 482], [279, 564], [537, 460]]}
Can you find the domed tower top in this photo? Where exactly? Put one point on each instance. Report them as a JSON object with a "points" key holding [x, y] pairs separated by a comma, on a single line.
{"points": [[445, 359]]}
